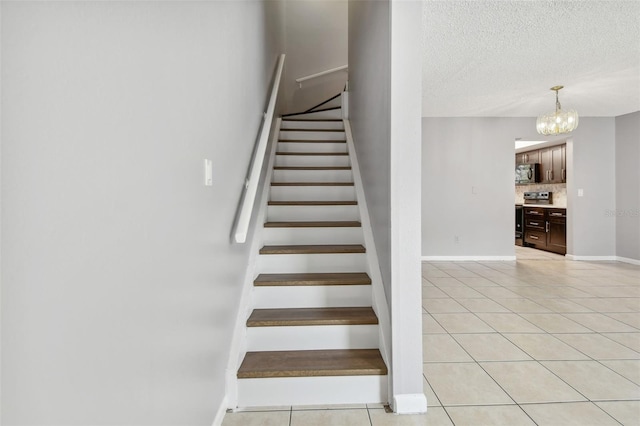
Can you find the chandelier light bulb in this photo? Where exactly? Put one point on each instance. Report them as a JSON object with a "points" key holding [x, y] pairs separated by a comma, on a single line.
{"points": [[558, 121]]}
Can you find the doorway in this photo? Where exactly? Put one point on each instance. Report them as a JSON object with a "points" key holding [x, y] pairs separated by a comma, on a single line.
{"points": [[541, 202]]}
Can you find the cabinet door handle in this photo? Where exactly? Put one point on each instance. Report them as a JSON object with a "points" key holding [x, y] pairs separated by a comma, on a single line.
{"points": [[534, 223], [564, 174], [533, 237], [546, 228]]}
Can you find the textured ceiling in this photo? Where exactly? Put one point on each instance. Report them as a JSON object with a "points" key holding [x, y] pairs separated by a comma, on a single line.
{"points": [[499, 58]]}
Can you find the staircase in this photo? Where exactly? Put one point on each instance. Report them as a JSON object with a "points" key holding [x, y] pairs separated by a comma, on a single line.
{"points": [[312, 336]]}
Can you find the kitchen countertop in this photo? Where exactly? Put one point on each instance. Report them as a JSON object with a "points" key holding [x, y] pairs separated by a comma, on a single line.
{"points": [[546, 206]]}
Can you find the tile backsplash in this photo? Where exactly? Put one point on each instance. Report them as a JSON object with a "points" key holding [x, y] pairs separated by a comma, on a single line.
{"points": [[559, 192]]}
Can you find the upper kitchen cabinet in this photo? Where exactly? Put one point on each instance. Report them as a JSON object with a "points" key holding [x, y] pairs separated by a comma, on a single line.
{"points": [[553, 164], [529, 157], [552, 160]]}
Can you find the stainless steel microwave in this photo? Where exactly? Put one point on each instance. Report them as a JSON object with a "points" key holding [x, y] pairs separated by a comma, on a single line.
{"points": [[527, 173]]}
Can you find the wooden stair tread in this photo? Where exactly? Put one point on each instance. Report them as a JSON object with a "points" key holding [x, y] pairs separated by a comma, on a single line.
{"points": [[311, 130], [313, 203], [311, 153], [311, 183], [312, 316], [315, 224], [336, 362], [313, 249], [312, 119], [313, 279], [312, 141], [310, 168]]}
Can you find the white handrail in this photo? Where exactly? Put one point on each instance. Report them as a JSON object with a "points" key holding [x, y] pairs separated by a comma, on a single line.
{"points": [[320, 74], [248, 199]]}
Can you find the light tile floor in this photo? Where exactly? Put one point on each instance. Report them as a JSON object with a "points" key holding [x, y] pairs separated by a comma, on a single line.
{"points": [[541, 340]]}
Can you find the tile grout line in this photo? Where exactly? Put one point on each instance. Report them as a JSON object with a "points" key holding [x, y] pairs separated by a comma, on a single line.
{"points": [[432, 390], [448, 414], [369, 415]]}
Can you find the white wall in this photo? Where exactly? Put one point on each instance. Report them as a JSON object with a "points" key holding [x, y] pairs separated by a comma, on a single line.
{"points": [[370, 112], [467, 185], [628, 186], [591, 167], [384, 82], [316, 34], [119, 282], [463, 154]]}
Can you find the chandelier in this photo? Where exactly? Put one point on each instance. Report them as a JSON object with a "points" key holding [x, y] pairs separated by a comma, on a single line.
{"points": [[559, 121]]}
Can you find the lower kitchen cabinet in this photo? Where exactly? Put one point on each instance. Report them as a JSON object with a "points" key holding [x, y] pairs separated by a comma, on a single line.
{"points": [[546, 228], [557, 236]]}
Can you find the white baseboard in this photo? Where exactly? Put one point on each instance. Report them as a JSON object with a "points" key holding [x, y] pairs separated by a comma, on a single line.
{"points": [[604, 258], [628, 260], [379, 299], [345, 105], [591, 258], [466, 258], [511, 258], [222, 410], [410, 403]]}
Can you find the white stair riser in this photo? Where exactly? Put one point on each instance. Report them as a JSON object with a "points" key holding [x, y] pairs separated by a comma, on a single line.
{"points": [[293, 236], [321, 296], [312, 176], [312, 390], [312, 147], [311, 213], [313, 193], [313, 160], [334, 125], [321, 115], [305, 135], [312, 263], [307, 338]]}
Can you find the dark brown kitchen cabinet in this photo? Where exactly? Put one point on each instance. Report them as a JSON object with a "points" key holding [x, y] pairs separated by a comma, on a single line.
{"points": [[552, 160], [529, 157], [553, 164], [545, 228], [557, 235]]}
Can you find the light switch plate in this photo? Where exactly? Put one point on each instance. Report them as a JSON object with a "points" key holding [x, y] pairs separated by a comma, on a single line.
{"points": [[208, 172]]}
